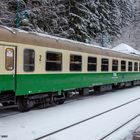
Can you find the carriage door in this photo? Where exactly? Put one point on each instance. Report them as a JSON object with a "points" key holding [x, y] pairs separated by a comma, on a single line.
{"points": [[10, 66]]}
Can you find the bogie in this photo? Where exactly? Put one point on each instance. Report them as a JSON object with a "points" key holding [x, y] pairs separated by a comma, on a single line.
{"points": [[23, 104]]}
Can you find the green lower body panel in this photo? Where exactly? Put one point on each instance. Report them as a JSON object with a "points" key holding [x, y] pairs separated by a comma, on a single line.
{"points": [[38, 83], [7, 82]]}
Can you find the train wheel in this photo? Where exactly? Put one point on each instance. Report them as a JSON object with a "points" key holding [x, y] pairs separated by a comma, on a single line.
{"points": [[59, 102], [5, 104], [59, 99], [23, 104]]}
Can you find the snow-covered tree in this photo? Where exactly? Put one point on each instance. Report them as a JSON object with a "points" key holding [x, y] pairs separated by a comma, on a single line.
{"points": [[136, 24], [125, 12], [79, 20], [52, 18], [114, 28], [82, 20]]}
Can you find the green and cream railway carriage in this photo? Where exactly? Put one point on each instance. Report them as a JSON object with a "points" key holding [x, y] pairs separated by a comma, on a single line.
{"points": [[41, 68]]}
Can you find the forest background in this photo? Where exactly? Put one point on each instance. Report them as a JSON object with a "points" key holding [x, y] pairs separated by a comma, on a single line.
{"points": [[103, 22]]}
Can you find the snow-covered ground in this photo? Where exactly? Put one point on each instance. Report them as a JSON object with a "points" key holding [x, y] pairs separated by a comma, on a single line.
{"points": [[35, 123], [99, 127]]}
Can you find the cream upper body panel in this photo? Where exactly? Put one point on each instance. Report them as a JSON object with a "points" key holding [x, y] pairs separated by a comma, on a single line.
{"points": [[40, 64]]}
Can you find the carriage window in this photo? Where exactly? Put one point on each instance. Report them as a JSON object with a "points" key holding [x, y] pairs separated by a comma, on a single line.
{"points": [[135, 66], [104, 64], [9, 59], [114, 65], [92, 63], [130, 66], [29, 60], [53, 61], [75, 63], [123, 65], [139, 66]]}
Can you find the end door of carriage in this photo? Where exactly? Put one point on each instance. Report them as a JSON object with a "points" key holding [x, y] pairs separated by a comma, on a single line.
{"points": [[7, 68]]}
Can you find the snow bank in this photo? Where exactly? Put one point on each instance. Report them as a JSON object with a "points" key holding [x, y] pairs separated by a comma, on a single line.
{"points": [[124, 48]]}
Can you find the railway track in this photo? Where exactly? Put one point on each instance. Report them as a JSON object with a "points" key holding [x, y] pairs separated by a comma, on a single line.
{"points": [[7, 115], [8, 111], [92, 117], [121, 126], [12, 110], [4, 111]]}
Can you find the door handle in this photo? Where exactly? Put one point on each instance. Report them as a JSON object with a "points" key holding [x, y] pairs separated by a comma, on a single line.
{"points": [[13, 73]]}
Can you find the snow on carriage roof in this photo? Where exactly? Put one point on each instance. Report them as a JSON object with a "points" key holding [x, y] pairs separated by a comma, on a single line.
{"points": [[82, 43], [44, 34], [123, 48]]}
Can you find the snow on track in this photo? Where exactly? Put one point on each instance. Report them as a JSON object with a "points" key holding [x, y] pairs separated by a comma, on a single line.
{"points": [[36, 123], [102, 125], [8, 111]]}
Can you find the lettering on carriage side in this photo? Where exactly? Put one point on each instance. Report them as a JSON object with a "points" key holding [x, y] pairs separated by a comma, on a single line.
{"points": [[40, 58], [115, 76]]}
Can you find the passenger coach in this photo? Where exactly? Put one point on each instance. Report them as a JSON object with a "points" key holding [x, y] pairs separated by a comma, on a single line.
{"points": [[37, 68]]}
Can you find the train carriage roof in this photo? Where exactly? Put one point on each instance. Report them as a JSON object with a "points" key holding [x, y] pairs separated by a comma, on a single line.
{"points": [[13, 35]]}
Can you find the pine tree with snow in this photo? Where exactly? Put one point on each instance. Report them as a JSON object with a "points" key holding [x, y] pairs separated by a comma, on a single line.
{"points": [[114, 28], [136, 24], [125, 12], [94, 19], [82, 20], [79, 16]]}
